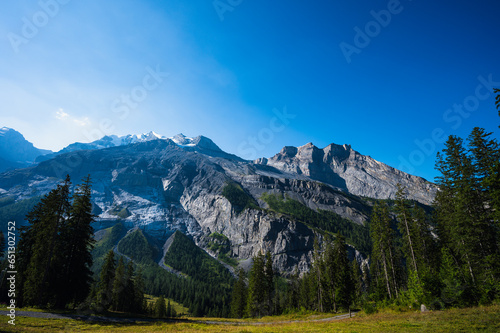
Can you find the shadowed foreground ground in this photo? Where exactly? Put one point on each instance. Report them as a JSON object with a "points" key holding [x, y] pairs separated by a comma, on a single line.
{"points": [[484, 319]]}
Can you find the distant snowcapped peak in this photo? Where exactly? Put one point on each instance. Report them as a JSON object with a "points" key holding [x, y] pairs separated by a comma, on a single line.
{"points": [[4, 130], [182, 140]]}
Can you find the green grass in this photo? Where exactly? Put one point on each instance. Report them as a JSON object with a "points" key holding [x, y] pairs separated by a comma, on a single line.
{"points": [[179, 308], [484, 319]]}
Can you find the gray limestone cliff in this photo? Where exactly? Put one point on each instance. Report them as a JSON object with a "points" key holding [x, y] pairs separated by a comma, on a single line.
{"points": [[348, 170]]}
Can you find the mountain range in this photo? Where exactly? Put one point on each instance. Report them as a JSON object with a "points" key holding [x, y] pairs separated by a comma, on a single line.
{"points": [[163, 184]]}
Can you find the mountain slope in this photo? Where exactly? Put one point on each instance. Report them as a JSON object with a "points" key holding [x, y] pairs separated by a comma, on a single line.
{"points": [[184, 256], [16, 151]]}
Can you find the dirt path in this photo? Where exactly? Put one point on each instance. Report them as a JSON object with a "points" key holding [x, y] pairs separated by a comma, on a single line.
{"points": [[48, 315], [258, 323]]}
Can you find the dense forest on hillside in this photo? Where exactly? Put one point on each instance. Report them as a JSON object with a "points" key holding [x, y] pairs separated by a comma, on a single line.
{"points": [[356, 234], [11, 210], [204, 291], [188, 258]]}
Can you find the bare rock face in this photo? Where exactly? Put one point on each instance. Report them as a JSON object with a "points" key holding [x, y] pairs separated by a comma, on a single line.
{"points": [[254, 231], [348, 170]]}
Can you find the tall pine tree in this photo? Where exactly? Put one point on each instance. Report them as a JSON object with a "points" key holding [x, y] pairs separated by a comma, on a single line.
{"points": [[40, 277], [54, 251], [385, 259], [105, 284], [76, 241], [465, 207], [119, 286], [344, 287], [270, 292], [239, 299], [257, 295]]}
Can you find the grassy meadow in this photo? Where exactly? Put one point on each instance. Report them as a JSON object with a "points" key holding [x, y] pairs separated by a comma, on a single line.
{"points": [[484, 319]]}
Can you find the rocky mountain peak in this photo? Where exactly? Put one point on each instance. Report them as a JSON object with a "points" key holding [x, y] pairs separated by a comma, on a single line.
{"points": [[181, 139], [200, 141], [350, 171], [206, 143]]}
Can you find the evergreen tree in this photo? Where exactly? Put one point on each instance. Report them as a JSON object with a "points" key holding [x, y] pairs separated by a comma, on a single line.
{"points": [[269, 276], [74, 248], [293, 295], [331, 275], [257, 287], [357, 279], [239, 299], [54, 256], [160, 310], [106, 279], [453, 221], [464, 217], [485, 156], [385, 261], [46, 220], [119, 287], [406, 228], [168, 313], [129, 294], [418, 247], [344, 286], [426, 247], [453, 292], [307, 296], [318, 278], [467, 211], [139, 300]]}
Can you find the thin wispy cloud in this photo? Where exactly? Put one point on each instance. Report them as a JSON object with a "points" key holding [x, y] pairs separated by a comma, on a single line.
{"points": [[64, 116], [61, 115]]}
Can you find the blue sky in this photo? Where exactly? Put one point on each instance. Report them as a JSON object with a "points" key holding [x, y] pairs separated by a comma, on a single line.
{"points": [[391, 78]]}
